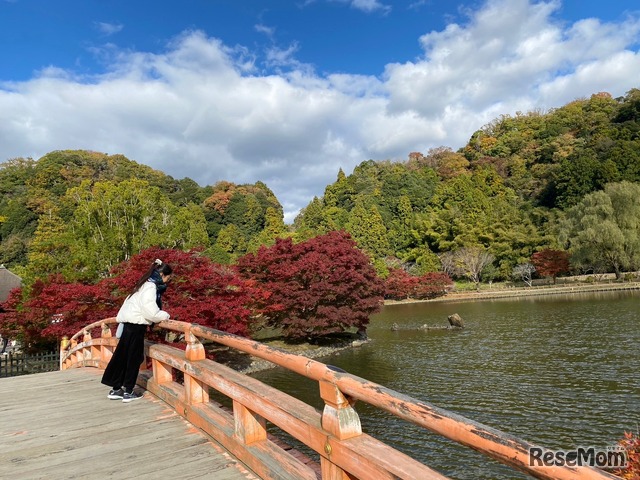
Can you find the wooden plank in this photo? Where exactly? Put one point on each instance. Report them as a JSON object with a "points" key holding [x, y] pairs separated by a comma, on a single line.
{"points": [[60, 425]]}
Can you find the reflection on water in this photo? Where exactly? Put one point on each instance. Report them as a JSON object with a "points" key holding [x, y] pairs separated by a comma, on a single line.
{"points": [[559, 371]]}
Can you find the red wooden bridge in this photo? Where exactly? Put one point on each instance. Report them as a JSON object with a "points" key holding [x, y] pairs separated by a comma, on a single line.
{"points": [[180, 382]]}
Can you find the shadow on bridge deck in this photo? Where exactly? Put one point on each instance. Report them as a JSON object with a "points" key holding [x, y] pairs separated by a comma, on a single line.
{"points": [[60, 425]]}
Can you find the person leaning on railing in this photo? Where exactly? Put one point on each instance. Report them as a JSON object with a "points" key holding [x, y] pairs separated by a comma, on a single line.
{"points": [[143, 307]]}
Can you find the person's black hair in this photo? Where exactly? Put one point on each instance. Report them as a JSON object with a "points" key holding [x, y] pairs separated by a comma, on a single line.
{"points": [[157, 266]]}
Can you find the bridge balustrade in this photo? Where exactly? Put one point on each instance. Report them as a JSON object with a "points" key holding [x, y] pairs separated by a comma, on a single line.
{"points": [[335, 434]]}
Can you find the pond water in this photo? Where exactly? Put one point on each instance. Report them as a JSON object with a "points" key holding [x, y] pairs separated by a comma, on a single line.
{"points": [[560, 371]]}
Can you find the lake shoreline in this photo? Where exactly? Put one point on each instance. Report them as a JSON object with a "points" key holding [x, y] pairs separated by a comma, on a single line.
{"points": [[523, 292]]}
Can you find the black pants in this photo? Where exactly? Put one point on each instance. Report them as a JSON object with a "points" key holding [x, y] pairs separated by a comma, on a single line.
{"points": [[123, 368]]}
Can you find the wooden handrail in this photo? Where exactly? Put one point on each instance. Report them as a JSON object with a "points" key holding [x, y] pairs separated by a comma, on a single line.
{"points": [[335, 434]]}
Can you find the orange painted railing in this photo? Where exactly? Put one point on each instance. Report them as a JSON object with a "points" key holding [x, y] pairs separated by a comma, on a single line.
{"points": [[335, 433]]}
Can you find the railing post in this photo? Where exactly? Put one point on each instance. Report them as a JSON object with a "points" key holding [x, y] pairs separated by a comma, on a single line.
{"points": [[339, 417], [77, 356], [106, 351], [340, 420], [86, 351], [105, 331], [196, 391], [64, 343], [249, 426], [162, 373], [195, 349]]}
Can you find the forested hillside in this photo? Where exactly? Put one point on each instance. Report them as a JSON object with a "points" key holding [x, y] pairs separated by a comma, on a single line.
{"points": [[564, 180], [559, 181], [79, 213]]}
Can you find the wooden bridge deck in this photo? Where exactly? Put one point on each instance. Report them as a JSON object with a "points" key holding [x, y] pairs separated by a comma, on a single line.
{"points": [[60, 425]]}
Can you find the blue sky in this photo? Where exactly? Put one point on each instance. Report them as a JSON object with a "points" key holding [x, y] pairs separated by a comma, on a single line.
{"points": [[288, 92]]}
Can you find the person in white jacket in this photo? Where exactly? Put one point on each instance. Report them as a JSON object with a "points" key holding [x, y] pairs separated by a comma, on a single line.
{"points": [[142, 308]]}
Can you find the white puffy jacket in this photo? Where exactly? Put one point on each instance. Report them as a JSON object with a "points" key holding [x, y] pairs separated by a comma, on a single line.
{"points": [[141, 307]]}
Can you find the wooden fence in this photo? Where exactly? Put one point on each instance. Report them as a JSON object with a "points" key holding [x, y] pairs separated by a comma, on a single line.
{"points": [[13, 364]]}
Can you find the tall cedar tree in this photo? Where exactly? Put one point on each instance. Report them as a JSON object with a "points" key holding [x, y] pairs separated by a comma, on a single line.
{"points": [[401, 285], [200, 292], [321, 286], [551, 263]]}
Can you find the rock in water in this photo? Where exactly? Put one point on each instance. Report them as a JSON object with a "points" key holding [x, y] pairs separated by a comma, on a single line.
{"points": [[455, 320]]}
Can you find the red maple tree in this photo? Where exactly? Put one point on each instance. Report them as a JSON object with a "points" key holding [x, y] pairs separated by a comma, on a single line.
{"points": [[54, 308], [321, 286], [551, 263], [400, 285]]}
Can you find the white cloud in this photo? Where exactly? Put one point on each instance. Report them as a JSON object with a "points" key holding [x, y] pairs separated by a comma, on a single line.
{"points": [[268, 31], [203, 109], [370, 6], [108, 28], [511, 56], [278, 57], [367, 6]]}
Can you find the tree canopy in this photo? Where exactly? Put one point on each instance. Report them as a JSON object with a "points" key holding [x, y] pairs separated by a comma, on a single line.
{"points": [[603, 230], [316, 287]]}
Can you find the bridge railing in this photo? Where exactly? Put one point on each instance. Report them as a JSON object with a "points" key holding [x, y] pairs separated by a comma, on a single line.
{"points": [[335, 433]]}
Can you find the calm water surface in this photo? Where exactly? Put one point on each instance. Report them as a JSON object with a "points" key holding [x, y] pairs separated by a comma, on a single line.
{"points": [[558, 371]]}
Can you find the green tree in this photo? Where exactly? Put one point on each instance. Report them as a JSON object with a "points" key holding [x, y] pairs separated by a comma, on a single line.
{"points": [[230, 241], [188, 228], [339, 194], [244, 206], [274, 228], [604, 229], [50, 249], [400, 233], [368, 230], [577, 176], [479, 209], [113, 222]]}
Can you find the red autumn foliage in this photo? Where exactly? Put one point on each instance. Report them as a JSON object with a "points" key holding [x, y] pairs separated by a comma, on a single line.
{"points": [[200, 292], [220, 199], [401, 285], [551, 263], [54, 308], [631, 443], [9, 326], [321, 286]]}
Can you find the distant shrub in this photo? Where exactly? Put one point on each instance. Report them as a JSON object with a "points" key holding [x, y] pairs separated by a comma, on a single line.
{"points": [[400, 285]]}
